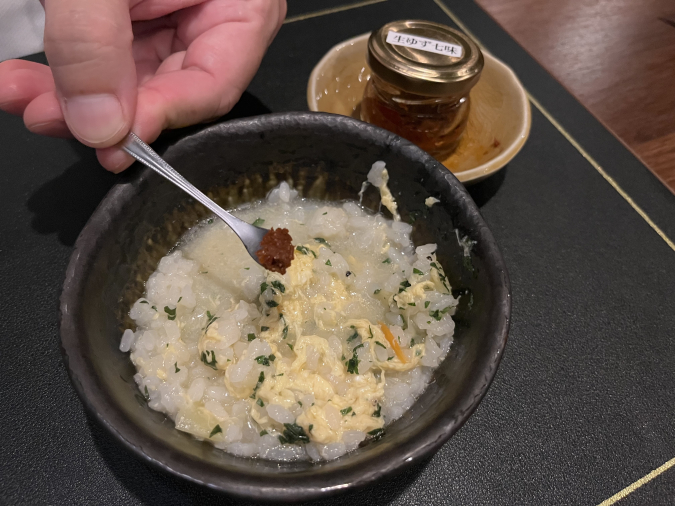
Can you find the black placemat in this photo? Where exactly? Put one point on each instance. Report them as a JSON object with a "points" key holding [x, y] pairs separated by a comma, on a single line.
{"points": [[582, 405]]}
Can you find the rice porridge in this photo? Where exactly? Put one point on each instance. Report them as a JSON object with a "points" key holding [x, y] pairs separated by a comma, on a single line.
{"points": [[305, 365]]}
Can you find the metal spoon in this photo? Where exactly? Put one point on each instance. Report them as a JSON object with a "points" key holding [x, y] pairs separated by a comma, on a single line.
{"points": [[250, 235]]}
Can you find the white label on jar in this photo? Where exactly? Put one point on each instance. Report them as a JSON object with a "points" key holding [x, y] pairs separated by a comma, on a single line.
{"points": [[424, 44]]}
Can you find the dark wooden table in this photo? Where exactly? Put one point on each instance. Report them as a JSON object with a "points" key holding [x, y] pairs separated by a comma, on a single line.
{"points": [[616, 58], [581, 409]]}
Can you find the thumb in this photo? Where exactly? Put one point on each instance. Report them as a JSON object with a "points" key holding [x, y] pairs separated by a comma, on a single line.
{"points": [[88, 45]]}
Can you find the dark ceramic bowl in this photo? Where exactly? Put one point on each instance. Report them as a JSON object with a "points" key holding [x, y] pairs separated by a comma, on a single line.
{"points": [[325, 156]]}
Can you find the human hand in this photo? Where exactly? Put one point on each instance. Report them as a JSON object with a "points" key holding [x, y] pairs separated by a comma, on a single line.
{"points": [[141, 65]]}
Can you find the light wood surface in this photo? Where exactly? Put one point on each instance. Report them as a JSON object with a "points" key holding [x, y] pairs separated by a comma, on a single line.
{"points": [[617, 57]]}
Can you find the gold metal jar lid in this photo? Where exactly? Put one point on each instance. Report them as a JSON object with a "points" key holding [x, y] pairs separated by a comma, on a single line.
{"points": [[425, 58]]}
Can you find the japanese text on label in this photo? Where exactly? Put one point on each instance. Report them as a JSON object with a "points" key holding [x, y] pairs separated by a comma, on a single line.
{"points": [[424, 44]]}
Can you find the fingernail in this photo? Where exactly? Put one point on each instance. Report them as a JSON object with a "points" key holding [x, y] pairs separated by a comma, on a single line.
{"points": [[94, 119]]}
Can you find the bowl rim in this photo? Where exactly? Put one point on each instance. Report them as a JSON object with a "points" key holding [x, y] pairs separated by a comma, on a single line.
{"points": [[285, 487], [479, 172]]}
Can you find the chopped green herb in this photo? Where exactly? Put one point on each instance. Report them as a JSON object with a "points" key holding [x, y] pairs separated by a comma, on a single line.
{"points": [[370, 330], [417, 271], [272, 358], [436, 315], [418, 353], [209, 221], [404, 284], [263, 287], [353, 336], [279, 374], [215, 431], [251, 337], [147, 394], [328, 263], [380, 344], [176, 366], [376, 413], [154, 307], [279, 286], [426, 304], [211, 319], [272, 303], [323, 241], [262, 360], [170, 312], [299, 402], [353, 364], [261, 378], [390, 358], [210, 362], [144, 302], [357, 347], [343, 356], [258, 222], [377, 291], [445, 310], [179, 299], [284, 333], [324, 214], [376, 433], [264, 329], [260, 403], [386, 261], [263, 433], [311, 426], [305, 250], [294, 434], [411, 304], [346, 411], [290, 346], [412, 342]]}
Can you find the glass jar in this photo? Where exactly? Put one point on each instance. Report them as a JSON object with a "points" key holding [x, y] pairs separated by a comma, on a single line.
{"points": [[422, 73]]}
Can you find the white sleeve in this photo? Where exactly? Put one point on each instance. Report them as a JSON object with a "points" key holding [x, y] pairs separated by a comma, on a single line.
{"points": [[22, 26]]}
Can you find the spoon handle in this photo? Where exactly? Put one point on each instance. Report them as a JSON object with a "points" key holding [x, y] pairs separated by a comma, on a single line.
{"points": [[148, 157]]}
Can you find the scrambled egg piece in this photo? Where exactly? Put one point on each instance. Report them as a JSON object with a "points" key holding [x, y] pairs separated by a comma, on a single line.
{"points": [[331, 413], [386, 197], [414, 294]]}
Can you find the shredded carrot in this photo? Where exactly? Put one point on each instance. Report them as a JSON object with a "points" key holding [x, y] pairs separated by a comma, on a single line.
{"points": [[393, 342]]}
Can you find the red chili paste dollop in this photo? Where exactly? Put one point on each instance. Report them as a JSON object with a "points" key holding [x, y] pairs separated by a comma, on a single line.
{"points": [[276, 250]]}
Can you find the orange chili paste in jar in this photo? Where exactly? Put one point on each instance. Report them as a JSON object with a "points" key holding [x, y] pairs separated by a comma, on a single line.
{"points": [[422, 73]]}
